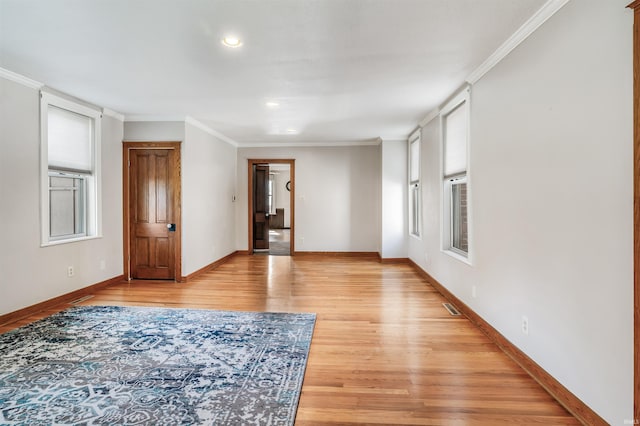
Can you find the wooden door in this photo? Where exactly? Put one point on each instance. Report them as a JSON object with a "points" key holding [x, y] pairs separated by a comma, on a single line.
{"points": [[152, 212], [261, 206]]}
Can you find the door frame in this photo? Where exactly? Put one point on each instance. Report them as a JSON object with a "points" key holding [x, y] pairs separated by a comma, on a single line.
{"points": [[127, 147], [635, 6], [292, 197]]}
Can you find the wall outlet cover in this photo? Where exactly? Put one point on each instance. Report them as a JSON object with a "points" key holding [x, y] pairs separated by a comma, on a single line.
{"points": [[525, 325]]}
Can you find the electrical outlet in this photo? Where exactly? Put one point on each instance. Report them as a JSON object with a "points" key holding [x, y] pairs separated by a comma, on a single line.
{"points": [[426, 257], [70, 271], [474, 291], [301, 241], [103, 265], [525, 325]]}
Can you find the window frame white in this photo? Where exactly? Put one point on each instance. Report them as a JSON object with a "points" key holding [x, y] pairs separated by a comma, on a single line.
{"points": [[452, 183], [92, 179], [81, 213], [447, 222], [414, 186]]}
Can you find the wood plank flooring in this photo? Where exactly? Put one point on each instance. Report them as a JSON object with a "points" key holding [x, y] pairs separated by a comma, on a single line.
{"points": [[384, 351]]}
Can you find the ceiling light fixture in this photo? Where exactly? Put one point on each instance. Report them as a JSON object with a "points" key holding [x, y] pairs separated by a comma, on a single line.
{"points": [[232, 42], [292, 131], [272, 104]]}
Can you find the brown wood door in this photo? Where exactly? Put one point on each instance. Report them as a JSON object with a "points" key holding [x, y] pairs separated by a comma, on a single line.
{"points": [[261, 206], [152, 204]]}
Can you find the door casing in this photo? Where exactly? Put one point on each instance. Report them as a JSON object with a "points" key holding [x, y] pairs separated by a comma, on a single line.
{"points": [[292, 197], [127, 147]]}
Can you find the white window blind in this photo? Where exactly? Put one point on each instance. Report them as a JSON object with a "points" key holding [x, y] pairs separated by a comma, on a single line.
{"points": [[455, 147], [69, 140], [414, 155]]}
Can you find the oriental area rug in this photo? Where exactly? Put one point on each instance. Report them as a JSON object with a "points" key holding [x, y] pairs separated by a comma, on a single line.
{"points": [[107, 365]]}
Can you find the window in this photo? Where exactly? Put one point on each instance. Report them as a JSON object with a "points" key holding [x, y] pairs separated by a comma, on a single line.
{"points": [[271, 194], [67, 209], [455, 133], [459, 218], [69, 168], [414, 184]]}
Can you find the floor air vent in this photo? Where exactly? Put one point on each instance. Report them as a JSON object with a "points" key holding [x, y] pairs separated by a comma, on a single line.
{"points": [[452, 309], [80, 300]]}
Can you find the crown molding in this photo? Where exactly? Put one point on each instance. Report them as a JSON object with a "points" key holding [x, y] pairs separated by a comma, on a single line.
{"points": [[154, 118], [185, 119], [540, 17], [111, 113], [311, 144], [427, 119], [18, 78], [457, 96], [532, 24], [190, 120]]}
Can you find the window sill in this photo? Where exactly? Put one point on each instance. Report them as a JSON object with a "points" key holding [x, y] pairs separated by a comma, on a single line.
{"points": [[70, 240], [458, 256]]}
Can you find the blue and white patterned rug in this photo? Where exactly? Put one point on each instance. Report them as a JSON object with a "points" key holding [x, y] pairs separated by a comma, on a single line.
{"points": [[106, 365]]}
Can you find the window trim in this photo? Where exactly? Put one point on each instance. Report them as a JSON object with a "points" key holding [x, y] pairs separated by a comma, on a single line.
{"points": [[415, 137], [446, 230], [93, 199]]}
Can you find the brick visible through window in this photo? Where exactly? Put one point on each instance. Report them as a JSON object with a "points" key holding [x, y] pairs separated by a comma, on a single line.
{"points": [[459, 217]]}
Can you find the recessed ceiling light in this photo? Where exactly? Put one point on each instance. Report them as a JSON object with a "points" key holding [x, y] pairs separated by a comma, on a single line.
{"points": [[272, 104], [231, 41], [292, 131]]}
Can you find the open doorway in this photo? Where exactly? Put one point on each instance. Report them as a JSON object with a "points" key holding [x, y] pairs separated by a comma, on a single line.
{"points": [[279, 204], [271, 207]]}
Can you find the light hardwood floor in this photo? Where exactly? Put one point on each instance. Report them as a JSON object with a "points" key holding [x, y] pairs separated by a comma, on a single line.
{"points": [[384, 350]]}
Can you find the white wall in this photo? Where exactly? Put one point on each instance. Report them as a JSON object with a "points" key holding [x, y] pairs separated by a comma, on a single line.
{"points": [[157, 131], [208, 210], [337, 200], [283, 200], [394, 227], [208, 185], [551, 199], [30, 273]]}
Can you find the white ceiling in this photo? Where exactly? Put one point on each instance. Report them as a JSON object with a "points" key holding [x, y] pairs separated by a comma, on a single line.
{"points": [[341, 70]]}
